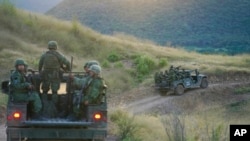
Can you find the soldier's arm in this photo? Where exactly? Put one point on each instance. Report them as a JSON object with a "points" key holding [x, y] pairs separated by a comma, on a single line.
{"points": [[16, 82], [79, 82], [64, 62], [40, 66]]}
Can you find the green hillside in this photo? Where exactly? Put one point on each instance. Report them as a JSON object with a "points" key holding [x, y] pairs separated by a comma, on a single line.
{"points": [[207, 26], [126, 61], [40, 6]]}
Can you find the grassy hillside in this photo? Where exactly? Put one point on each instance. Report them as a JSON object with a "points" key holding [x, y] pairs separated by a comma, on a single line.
{"points": [[127, 62], [207, 26], [131, 61], [35, 5]]}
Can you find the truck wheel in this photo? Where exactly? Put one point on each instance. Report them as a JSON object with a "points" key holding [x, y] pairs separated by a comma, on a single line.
{"points": [[179, 90], [204, 83]]}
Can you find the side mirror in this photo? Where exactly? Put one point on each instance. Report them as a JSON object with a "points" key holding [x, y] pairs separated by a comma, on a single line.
{"points": [[5, 87]]}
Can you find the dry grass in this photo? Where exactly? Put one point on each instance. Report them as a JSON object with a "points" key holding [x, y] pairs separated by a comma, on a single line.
{"points": [[209, 125]]}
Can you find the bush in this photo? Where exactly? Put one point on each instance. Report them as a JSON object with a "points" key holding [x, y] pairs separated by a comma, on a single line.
{"points": [[175, 127], [113, 57], [127, 128], [75, 27], [242, 90], [106, 64], [163, 62], [7, 8], [118, 65], [144, 65]]}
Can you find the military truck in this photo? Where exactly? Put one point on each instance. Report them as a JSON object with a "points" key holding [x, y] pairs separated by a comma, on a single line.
{"points": [[178, 80], [20, 125]]}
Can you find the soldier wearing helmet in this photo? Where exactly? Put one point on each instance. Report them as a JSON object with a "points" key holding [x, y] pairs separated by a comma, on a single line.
{"points": [[92, 89], [50, 65], [89, 64], [79, 82], [22, 90], [95, 86]]}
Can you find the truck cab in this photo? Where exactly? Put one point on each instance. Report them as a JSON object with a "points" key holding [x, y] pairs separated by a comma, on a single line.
{"points": [[20, 125]]}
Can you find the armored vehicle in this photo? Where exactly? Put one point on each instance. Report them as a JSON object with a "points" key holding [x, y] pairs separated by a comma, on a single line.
{"points": [[20, 125], [178, 80]]}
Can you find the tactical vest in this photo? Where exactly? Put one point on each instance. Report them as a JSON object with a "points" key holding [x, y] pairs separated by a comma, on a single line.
{"points": [[22, 79], [51, 61]]}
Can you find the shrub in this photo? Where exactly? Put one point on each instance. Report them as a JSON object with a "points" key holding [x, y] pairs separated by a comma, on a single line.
{"points": [[163, 62], [144, 65], [242, 90], [75, 27], [113, 57], [106, 64], [7, 8], [175, 127], [127, 128], [118, 65]]}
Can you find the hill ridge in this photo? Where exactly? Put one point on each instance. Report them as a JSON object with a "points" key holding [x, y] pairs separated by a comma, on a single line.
{"points": [[209, 26]]}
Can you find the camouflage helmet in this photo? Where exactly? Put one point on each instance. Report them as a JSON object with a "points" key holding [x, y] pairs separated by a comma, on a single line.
{"points": [[20, 62], [90, 63], [52, 45], [95, 68]]}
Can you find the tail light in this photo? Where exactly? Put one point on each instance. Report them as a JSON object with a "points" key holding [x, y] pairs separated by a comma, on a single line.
{"points": [[15, 116], [98, 116]]}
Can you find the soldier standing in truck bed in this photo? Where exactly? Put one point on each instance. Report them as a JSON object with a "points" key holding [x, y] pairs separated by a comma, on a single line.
{"points": [[50, 65]]}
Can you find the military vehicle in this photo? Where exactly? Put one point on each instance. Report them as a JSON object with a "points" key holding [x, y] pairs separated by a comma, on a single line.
{"points": [[179, 80], [20, 126]]}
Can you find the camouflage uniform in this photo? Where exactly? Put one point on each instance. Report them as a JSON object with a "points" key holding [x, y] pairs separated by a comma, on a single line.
{"points": [[51, 62], [93, 88], [19, 89]]}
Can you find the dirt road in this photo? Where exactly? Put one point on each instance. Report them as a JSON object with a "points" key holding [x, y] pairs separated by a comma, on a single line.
{"points": [[158, 101]]}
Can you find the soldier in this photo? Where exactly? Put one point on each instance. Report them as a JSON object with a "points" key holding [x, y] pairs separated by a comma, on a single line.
{"points": [[22, 90], [89, 64], [50, 65], [91, 92], [95, 86]]}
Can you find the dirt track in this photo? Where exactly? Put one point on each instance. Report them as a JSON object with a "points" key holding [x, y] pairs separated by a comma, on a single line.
{"points": [[147, 104]]}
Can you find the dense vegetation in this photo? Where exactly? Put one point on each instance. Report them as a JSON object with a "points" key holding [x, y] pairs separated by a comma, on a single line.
{"points": [[207, 26]]}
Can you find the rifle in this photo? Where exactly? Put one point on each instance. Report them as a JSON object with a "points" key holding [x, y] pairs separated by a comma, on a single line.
{"points": [[70, 85], [31, 80], [85, 85]]}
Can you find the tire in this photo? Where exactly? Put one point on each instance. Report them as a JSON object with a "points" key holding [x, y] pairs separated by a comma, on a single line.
{"points": [[204, 83], [179, 90]]}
